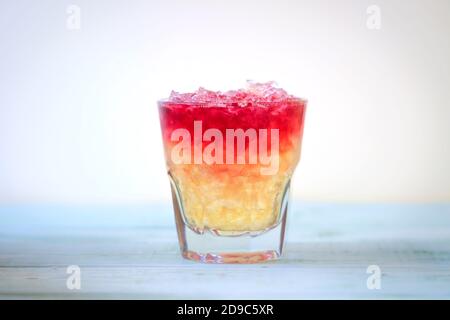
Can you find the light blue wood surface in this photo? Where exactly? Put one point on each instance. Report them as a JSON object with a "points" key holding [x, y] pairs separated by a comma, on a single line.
{"points": [[132, 252]]}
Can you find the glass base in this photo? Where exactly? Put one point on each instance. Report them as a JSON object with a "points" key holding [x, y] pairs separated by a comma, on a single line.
{"points": [[209, 247], [251, 257]]}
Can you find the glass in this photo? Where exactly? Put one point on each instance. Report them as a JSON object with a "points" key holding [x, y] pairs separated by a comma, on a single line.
{"points": [[230, 168]]}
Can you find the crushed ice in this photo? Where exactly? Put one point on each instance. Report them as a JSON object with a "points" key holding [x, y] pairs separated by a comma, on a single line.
{"points": [[254, 93]]}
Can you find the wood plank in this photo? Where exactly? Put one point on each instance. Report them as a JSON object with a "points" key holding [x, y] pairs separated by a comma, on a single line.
{"points": [[134, 254]]}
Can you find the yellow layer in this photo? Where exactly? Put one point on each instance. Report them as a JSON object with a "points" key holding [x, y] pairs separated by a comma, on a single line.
{"points": [[232, 197]]}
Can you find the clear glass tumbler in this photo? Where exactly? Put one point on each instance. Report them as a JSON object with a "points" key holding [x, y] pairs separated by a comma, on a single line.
{"points": [[230, 165]]}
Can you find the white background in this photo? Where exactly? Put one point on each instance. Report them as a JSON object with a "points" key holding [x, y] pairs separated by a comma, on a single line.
{"points": [[78, 116]]}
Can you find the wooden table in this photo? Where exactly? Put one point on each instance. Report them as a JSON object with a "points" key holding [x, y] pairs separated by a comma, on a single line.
{"points": [[132, 252]]}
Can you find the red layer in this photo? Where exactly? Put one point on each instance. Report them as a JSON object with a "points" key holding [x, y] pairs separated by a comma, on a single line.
{"points": [[287, 116]]}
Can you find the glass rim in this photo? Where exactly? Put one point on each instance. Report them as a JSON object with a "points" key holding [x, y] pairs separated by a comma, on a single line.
{"points": [[162, 102]]}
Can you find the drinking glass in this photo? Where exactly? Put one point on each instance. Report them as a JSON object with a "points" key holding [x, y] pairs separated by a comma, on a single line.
{"points": [[230, 166]]}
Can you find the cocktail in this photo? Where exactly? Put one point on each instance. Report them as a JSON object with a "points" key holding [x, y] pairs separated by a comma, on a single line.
{"points": [[230, 157]]}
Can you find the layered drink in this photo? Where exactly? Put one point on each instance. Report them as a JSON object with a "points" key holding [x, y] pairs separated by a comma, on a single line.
{"points": [[230, 157]]}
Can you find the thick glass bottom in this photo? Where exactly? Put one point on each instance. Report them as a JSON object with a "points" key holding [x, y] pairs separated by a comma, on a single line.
{"points": [[210, 248]]}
